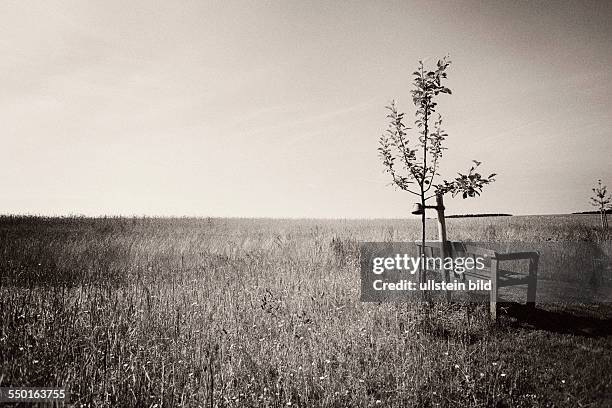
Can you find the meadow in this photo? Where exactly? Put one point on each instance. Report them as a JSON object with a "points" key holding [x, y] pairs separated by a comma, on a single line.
{"points": [[185, 312]]}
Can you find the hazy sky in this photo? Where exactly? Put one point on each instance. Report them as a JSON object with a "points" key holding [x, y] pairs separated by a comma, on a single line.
{"points": [[261, 108]]}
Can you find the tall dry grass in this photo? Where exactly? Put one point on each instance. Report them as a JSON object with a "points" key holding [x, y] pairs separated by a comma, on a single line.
{"points": [[227, 312]]}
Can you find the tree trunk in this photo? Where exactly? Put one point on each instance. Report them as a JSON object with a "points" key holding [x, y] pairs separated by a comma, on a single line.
{"points": [[422, 270]]}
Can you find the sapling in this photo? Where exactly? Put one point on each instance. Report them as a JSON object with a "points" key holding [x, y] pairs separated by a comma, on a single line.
{"points": [[603, 202], [413, 162]]}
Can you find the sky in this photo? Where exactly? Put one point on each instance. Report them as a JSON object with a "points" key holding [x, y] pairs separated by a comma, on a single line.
{"points": [[275, 108]]}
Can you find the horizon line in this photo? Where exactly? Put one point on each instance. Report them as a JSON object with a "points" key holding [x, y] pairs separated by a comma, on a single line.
{"points": [[144, 216]]}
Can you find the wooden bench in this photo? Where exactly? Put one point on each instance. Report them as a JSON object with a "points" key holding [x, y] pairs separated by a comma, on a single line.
{"points": [[493, 271]]}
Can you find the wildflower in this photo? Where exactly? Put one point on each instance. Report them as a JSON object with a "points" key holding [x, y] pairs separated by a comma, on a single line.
{"points": [[456, 365], [503, 374]]}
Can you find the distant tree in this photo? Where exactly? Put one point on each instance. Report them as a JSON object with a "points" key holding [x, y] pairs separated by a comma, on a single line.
{"points": [[602, 201], [413, 164]]}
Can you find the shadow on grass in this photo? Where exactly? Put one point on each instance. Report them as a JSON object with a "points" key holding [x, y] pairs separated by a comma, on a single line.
{"points": [[581, 320]]}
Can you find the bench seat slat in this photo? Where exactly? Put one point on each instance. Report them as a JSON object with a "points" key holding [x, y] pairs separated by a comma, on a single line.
{"points": [[524, 280]]}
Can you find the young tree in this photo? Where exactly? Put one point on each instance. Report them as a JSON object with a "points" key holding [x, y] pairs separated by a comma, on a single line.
{"points": [[603, 201], [413, 163]]}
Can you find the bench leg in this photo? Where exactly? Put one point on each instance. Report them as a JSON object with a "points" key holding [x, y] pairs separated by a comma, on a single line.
{"points": [[532, 286], [447, 281], [493, 294], [445, 251]]}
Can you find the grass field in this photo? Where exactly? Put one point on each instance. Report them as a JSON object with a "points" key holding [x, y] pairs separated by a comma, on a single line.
{"points": [[142, 312]]}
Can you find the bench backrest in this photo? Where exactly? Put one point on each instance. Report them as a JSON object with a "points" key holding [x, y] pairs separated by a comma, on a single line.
{"points": [[467, 250]]}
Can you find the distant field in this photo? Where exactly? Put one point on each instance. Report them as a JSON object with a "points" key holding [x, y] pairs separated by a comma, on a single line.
{"points": [[257, 312]]}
